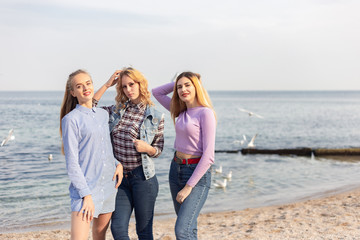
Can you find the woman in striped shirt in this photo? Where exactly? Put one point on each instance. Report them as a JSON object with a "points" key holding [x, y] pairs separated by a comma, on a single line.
{"points": [[89, 158]]}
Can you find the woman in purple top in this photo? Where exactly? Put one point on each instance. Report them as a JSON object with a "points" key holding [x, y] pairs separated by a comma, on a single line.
{"points": [[90, 162], [195, 127]]}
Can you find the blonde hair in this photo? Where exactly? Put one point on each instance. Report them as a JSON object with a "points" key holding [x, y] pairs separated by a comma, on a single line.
{"points": [[137, 77], [177, 105], [69, 101]]}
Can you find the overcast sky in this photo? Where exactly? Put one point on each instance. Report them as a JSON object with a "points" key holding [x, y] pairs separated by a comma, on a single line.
{"points": [[234, 45]]}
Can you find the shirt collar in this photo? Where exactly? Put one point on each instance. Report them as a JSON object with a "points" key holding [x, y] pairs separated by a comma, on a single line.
{"points": [[85, 109], [140, 105]]}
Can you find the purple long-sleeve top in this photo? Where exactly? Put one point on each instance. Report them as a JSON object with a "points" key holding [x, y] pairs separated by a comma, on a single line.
{"points": [[195, 132]]}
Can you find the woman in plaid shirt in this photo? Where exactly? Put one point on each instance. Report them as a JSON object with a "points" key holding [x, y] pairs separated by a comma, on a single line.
{"points": [[137, 136]]}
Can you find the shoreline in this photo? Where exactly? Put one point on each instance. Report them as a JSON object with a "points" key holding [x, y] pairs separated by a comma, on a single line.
{"points": [[332, 215], [65, 225]]}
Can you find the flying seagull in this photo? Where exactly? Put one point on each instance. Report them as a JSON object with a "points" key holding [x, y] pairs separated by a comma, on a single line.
{"points": [[250, 113], [241, 141], [251, 143], [9, 137]]}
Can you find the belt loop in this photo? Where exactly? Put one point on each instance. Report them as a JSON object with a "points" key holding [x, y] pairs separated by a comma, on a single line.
{"points": [[187, 163]]}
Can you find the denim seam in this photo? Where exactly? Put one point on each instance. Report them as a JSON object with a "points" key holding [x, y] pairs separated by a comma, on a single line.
{"points": [[197, 204]]}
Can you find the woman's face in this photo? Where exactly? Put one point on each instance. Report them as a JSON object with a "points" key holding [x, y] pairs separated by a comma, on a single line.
{"points": [[82, 88], [186, 91], [131, 89]]}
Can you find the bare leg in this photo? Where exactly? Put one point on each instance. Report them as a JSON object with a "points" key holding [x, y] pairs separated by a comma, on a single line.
{"points": [[79, 227], [100, 225]]}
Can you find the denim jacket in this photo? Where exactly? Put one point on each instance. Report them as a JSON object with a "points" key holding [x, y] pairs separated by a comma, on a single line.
{"points": [[148, 129]]}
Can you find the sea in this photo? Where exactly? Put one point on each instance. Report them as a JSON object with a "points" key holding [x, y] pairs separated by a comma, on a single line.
{"points": [[34, 190]]}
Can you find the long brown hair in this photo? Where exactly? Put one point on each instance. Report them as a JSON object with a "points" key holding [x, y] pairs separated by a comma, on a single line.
{"points": [[177, 105], [69, 101], [137, 77]]}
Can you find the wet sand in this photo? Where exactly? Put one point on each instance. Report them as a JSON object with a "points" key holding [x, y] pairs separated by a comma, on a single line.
{"points": [[332, 217]]}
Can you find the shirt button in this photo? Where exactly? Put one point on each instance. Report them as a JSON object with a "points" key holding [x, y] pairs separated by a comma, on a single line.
{"points": [[104, 165], [103, 151]]}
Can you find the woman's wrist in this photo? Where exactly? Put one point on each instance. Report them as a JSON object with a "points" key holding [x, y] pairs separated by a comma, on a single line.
{"points": [[87, 197], [153, 151], [187, 186], [105, 86]]}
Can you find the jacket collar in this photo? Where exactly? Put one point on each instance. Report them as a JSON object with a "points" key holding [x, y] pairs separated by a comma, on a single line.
{"points": [[149, 111]]}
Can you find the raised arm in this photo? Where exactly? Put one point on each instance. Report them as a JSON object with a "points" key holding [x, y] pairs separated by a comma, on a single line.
{"points": [[111, 82], [161, 92]]}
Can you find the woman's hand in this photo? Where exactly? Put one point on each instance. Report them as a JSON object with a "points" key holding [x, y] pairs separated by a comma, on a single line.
{"points": [[113, 79], [183, 194], [118, 175], [111, 82], [88, 209], [143, 147]]}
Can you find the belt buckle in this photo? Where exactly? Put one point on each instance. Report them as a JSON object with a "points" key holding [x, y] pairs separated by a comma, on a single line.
{"points": [[178, 160]]}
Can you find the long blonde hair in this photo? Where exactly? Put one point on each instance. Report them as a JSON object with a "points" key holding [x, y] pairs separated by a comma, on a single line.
{"points": [[69, 101], [137, 77], [177, 105]]}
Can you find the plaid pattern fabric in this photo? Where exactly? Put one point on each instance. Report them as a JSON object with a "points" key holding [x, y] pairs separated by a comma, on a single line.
{"points": [[127, 130]]}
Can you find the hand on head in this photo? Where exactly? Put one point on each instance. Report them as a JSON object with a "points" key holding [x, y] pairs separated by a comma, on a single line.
{"points": [[113, 79]]}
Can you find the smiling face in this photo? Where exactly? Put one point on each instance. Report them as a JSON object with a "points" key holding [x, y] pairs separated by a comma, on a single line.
{"points": [[131, 89], [82, 88], [187, 92]]}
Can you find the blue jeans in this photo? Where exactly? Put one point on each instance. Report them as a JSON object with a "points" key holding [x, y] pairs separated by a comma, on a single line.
{"points": [[139, 194], [187, 212]]}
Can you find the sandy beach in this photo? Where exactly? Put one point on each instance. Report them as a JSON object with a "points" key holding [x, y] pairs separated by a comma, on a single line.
{"points": [[331, 217]]}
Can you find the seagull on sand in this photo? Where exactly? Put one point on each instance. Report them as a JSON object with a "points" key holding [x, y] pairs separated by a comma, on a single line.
{"points": [[9, 137], [251, 143], [250, 113], [221, 184], [218, 170]]}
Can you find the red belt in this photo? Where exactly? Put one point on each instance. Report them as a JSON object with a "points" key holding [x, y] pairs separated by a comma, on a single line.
{"points": [[187, 161]]}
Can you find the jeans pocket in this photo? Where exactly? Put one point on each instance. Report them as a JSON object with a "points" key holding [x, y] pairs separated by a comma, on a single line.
{"points": [[186, 171]]}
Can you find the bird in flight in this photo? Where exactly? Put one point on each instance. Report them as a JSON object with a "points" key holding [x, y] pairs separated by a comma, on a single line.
{"points": [[10, 136], [251, 143], [250, 113]]}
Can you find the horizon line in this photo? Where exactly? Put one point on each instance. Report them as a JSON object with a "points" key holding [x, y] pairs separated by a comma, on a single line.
{"points": [[243, 90]]}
